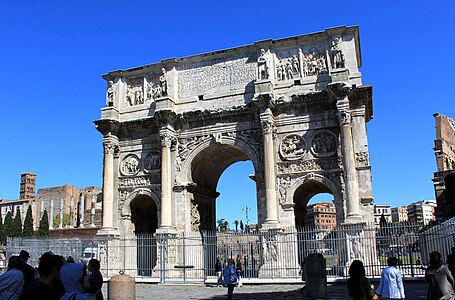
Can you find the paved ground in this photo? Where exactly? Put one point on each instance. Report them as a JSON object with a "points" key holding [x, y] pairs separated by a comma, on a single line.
{"points": [[415, 290]]}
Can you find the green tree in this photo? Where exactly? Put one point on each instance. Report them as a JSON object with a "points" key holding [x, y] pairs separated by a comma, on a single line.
{"points": [[66, 220], [2, 231], [223, 225], [28, 223], [43, 229], [17, 224], [241, 225], [8, 225], [236, 222]]}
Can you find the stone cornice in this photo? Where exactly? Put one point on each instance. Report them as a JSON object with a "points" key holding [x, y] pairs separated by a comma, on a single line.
{"points": [[105, 126], [197, 115]]}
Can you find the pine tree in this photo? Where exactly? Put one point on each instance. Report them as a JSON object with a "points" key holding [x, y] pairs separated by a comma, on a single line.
{"points": [[28, 224], [43, 229], [2, 231], [17, 224], [7, 225]]}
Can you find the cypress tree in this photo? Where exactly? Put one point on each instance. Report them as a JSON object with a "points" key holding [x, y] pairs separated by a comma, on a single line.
{"points": [[17, 224], [2, 231], [43, 229], [8, 225], [28, 224]]}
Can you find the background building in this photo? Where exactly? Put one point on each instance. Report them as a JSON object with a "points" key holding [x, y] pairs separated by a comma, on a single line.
{"points": [[422, 212], [67, 206], [321, 215], [444, 177], [399, 214], [379, 211]]}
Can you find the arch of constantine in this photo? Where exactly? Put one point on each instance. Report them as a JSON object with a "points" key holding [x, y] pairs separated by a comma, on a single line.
{"points": [[295, 107]]}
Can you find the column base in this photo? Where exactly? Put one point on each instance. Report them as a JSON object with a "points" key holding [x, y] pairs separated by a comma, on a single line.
{"points": [[271, 225], [353, 218], [107, 231], [166, 230]]}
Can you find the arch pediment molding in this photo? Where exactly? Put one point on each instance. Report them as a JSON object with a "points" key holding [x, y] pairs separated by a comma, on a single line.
{"points": [[309, 178], [126, 208]]}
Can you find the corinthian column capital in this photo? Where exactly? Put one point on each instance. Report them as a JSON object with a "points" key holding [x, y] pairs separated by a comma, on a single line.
{"points": [[110, 143], [168, 139]]}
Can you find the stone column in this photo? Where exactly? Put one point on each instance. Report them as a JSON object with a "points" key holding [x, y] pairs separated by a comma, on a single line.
{"points": [[267, 122], [72, 212], [51, 215], [82, 210], [110, 143], [166, 180], [350, 172], [61, 213], [93, 211]]}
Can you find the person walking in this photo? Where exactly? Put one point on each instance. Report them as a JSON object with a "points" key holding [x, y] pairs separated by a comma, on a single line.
{"points": [[439, 279], [28, 271], [95, 279], [451, 261], [12, 281], [391, 283], [45, 287], [230, 277], [74, 280], [219, 271], [359, 287], [239, 268]]}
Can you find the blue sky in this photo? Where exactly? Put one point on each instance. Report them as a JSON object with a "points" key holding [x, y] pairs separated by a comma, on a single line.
{"points": [[53, 54]]}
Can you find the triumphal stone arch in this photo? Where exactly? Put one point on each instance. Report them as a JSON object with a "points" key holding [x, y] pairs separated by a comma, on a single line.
{"points": [[295, 107]]}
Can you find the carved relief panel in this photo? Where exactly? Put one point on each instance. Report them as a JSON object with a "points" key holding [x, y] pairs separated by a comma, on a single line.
{"points": [[292, 147], [129, 165], [324, 143], [301, 62], [135, 92]]}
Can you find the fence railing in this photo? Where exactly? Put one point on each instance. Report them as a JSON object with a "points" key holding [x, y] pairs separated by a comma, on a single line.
{"points": [[191, 257]]}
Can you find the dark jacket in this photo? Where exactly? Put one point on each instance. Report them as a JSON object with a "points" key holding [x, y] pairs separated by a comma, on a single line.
{"points": [[360, 288]]}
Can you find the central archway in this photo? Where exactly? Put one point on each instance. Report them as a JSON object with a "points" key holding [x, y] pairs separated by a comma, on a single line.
{"points": [[206, 170]]}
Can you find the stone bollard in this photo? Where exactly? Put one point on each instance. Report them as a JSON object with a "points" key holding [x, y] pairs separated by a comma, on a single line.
{"points": [[316, 277], [121, 287]]}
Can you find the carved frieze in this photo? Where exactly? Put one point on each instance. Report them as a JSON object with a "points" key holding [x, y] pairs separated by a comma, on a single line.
{"points": [[292, 147], [129, 165], [362, 159], [195, 217], [284, 183], [299, 63], [314, 62], [156, 85], [135, 92], [152, 162], [135, 181], [111, 93], [264, 64], [338, 60], [324, 143], [202, 76], [290, 167]]}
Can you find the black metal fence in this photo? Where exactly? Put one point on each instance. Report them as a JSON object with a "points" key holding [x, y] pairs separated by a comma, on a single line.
{"points": [[191, 257]]}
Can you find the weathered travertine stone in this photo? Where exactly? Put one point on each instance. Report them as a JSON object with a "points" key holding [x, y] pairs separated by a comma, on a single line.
{"points": [[295, 107]]}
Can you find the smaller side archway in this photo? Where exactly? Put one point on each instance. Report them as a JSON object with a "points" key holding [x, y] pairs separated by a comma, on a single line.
{"points": [[310, 185]]}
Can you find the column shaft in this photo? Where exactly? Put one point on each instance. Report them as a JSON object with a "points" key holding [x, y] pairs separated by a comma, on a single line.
{"points": [[350, 172], [166, 180]]}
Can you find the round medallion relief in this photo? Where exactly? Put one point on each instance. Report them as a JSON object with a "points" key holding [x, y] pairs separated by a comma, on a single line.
{"points": [[129, 165], [152, 162], [292, 147], [324, 143]]}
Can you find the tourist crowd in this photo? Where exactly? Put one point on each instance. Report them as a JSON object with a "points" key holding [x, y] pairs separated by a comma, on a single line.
{"points": [[55, 278]]}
